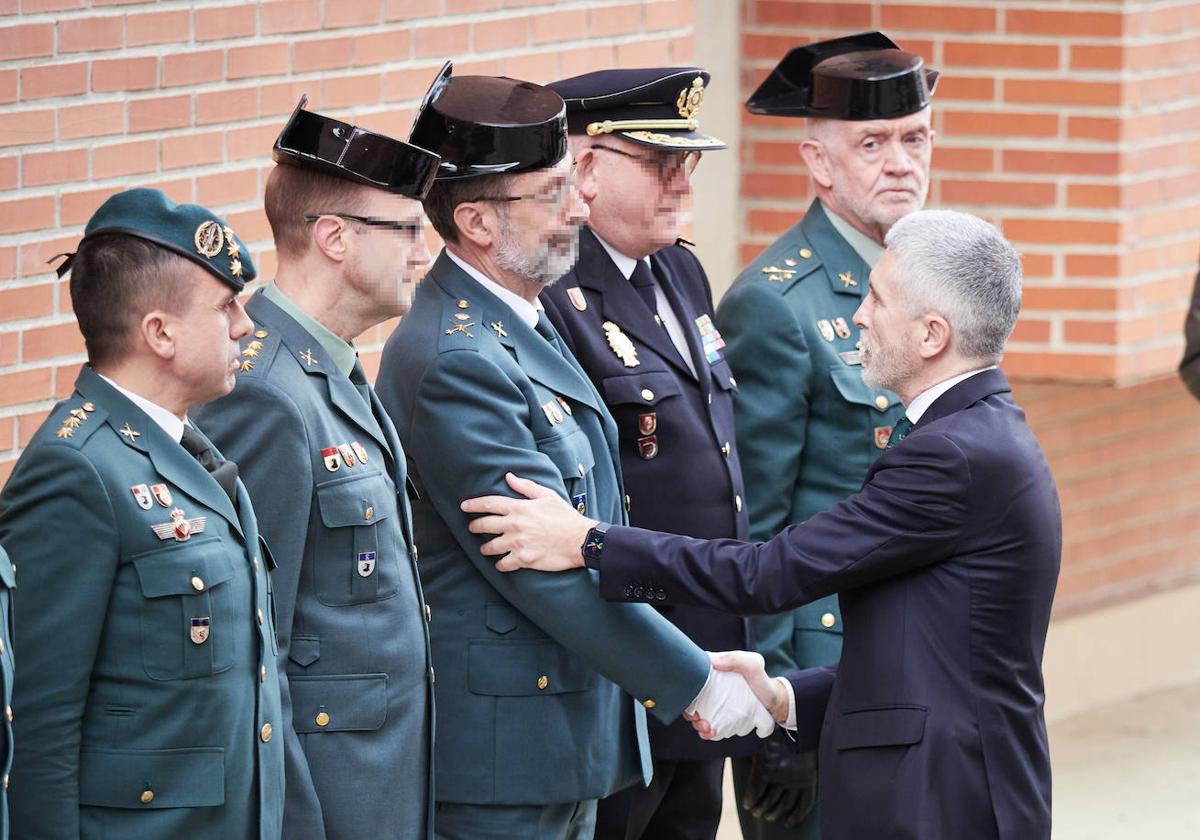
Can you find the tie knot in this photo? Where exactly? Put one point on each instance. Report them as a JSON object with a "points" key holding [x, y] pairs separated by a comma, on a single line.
{"points": [[194, 442], [899, 431], [642, 275]]}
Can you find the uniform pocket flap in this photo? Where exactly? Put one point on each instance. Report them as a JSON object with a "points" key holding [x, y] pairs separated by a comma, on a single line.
{"points": [[182, 569], [523, 668], [183, 778], [304, 650], [647, 388], [338, 703], [500, 618], [850, 385], [571, 453], [355, 500], [890, 726]]}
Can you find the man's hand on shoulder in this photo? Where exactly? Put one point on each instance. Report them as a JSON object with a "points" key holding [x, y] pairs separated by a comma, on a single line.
{"points": [[539, 532]]}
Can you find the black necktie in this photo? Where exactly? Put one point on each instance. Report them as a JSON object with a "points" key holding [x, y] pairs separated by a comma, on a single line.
{"points": [[899, 431], [225, 472], [642, 279], [358, 378], [546, 330]]}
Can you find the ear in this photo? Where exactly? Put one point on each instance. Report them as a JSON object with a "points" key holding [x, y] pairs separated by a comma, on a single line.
{"points": [[476, 222], [327, 236], [585, 173], [157, 330], [936, 337], [816, 158]]}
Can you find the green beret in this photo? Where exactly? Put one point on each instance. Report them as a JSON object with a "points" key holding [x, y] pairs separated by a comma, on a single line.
{"points": [[189, 230]]}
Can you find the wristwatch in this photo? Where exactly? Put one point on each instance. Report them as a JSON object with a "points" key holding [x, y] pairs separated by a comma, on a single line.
{"points": [[593, 544]]}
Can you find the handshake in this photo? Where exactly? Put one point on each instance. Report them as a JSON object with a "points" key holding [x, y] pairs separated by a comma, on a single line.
{"points": [[738, 698]]}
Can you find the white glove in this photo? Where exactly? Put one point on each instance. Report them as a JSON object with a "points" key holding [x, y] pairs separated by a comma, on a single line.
{"points": [[730, 707]]}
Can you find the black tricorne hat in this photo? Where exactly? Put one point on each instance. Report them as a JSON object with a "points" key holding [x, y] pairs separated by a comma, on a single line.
{"points": [[859, 77], [314, 141], [490, 125], [653, 106]]}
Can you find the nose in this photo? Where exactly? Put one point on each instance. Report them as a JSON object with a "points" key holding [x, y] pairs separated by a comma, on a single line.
{"points": [[861, 315], [898, 161], [240, 325], [419, 255]]}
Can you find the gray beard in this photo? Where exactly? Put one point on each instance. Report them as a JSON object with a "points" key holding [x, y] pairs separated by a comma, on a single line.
{"points": [[543, 265]]}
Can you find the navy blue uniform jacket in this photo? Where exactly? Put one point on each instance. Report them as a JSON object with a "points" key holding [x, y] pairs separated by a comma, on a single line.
{"points": [[692, 484], [946, 563]]}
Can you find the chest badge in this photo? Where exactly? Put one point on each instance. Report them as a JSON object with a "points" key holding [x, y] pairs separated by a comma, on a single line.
{"points": [[199, 629], [333, 458], [841, 328], [580, 502], [498, 326], [347, 454], [648, 447], [710, 337], [621, 345], [180, 528], [575, 295], [162, 494], [553, 415], [648, 423], [826, 329], [360, 451], [366, 563], [847, 279], [566, 406], [882, 435], [141, 495]]}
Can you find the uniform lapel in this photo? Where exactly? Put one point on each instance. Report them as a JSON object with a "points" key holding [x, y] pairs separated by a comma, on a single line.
{"points": [[685, 313], [136, 430], [847, 272], [317, 363], [620, 302]]}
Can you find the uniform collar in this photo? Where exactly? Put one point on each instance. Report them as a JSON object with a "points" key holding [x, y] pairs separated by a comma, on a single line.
{"points": [[526, 311], [341, 353], [916, 409], [624, 264], [863, 245], [169, 423]]}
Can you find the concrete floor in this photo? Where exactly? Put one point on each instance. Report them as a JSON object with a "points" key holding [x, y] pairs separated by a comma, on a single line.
{"points": [[1129, 771]]}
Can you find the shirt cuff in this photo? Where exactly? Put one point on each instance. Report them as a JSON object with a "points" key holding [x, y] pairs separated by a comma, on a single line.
{"points": [[790, 722]]}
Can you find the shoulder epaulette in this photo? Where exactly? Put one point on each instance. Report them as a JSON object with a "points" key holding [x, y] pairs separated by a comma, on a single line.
{"points": [[459, 329], [257, 352], [78, 420]]}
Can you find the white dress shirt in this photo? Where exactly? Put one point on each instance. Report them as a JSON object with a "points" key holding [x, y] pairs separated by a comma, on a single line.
{"points": [[526, 311], [666, 314], [170, 424]]}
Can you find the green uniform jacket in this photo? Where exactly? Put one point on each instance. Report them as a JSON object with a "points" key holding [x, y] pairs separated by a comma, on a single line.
{"points": [[807, 426], [147, 699], [527, 714], [354, 651]]}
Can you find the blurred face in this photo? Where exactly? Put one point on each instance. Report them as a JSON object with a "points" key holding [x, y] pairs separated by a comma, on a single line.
{"points": [[206, 335], [889, 334], [640, 192], [386, 256], [878, 170], [538, 239]]}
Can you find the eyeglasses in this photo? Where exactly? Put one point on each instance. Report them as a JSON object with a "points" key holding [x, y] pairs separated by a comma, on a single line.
{"points": [[666, 165], [553, 195], [412, 229]]}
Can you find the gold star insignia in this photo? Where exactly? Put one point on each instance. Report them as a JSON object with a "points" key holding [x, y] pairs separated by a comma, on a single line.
{"points": [[250, 352], [255, 345], [71, 422], [235, 267], [307, 356], [128, 431], [245, 366], [847, 279], [64, 432], [79, 412], [498, 326]]}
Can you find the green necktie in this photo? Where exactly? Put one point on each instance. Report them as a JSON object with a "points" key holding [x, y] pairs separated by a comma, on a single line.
{"points": [[899, 431]]}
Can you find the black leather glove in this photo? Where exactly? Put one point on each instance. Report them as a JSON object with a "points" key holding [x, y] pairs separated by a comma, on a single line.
{"points": [[783, 782]]}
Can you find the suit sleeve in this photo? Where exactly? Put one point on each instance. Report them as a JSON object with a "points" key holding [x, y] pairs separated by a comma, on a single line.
{"points": [[56, 522], [768, 354], [1189, 368], [909, 515], [260, 428], [490, 436]]}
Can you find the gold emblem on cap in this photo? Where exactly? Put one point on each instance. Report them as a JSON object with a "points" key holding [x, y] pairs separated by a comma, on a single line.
{"points": [[209, 239], [690, 99]]}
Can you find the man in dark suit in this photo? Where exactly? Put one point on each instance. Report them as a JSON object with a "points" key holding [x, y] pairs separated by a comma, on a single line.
{"points": [[146, 697], [667, 385], [946, 561], [344, 207], [1189, 366]]}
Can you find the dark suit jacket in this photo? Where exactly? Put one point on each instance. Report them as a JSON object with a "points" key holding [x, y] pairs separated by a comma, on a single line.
{"points": [[1189, 367], [946, 562], [691, 483]]}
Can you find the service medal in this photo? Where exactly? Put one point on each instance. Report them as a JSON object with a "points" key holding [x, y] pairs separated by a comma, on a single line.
{"points": [[332, 458], [141, 495], [162, 493], [366, 563], [621, 345], [359, 450], [826, 329], [200, 629]]}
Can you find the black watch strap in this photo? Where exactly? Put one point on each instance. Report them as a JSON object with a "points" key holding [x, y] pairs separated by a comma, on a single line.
{"points": [[593, 544]]}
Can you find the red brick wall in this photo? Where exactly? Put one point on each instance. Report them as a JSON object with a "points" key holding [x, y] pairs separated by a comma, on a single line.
{"points": [[100, 95], [1076, 128]]}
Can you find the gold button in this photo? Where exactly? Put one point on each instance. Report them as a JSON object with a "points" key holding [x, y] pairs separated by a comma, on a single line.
{"points": [[726, 449], [258, 614], [649, 704], [416, 554], [197, 583], [369, 513], [805, 254], [737, 503], [881, 402], [462, 304], [581, 470], [627, 503], [8, 713], [147, 795], [428, 613], [265, 733], [262, 673], [827, 620], [261, 333], [322, 719], [6, 781], [647, 394], [543, 681]]}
